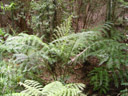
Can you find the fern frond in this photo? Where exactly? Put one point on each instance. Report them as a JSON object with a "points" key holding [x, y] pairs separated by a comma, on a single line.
{"points": [[17, 94], [100, 79], [52, 88], [23, 42], [33, 88], [63, 29], [76, 86]]}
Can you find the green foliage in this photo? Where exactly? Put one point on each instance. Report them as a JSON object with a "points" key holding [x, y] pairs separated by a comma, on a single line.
{"points": [[99, 78], [123, 2], [56, 88], [69, 48], [64, 29], [9, 76], [58, 48], [2, 32], [27, 50], [125, 91], [23, 43], [30, 51], [99, 43], [119, 76], [8, 7], [42, 20]]}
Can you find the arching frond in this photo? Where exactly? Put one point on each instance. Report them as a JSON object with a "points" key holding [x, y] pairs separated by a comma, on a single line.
{"points": [[17, 94], [64, 29], [33, 88], [23, 42]]}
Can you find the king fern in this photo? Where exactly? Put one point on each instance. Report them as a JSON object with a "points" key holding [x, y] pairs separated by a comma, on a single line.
{"points": [[56, 88]]}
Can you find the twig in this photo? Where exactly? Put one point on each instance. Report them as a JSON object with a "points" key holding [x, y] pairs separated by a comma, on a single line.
{"points": [[72, 60]]}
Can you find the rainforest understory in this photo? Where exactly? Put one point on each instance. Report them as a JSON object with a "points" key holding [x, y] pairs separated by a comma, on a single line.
{"points": [[63, 47]]}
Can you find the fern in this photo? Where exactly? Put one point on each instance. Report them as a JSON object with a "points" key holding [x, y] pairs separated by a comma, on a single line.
{"points": [[96, 43], [26, 48], [63, 30], [33, 88], [17, 94], [125, 91], [119, 76], [23, 43], [100, 79], [69, 48]]}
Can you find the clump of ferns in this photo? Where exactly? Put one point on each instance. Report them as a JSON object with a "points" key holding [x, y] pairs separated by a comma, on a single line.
{"points": [[112, 54], [56, 88], [68, 47], [27, 50], [61, 51], [108, 48], [93, 43]]}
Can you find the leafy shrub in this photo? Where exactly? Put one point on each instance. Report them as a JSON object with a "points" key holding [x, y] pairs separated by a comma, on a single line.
{"points": [[9, 76], [8, 7], [43, 17]]}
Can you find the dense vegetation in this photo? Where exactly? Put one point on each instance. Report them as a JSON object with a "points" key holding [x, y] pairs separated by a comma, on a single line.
{"points": [[64, 48]]}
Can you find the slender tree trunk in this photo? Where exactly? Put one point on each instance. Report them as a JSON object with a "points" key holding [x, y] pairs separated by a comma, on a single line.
{"points": [[78, 13], [54, 22], [108, 18], [111, 10]]}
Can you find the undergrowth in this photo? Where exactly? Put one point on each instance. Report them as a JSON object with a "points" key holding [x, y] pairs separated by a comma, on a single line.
{"points": [[68, 49]]}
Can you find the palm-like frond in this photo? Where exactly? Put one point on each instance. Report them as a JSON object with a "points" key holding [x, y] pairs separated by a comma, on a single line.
{"points": [[63, 30], [97, 43], [33, 88], [24, 42], [16, 94]]}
